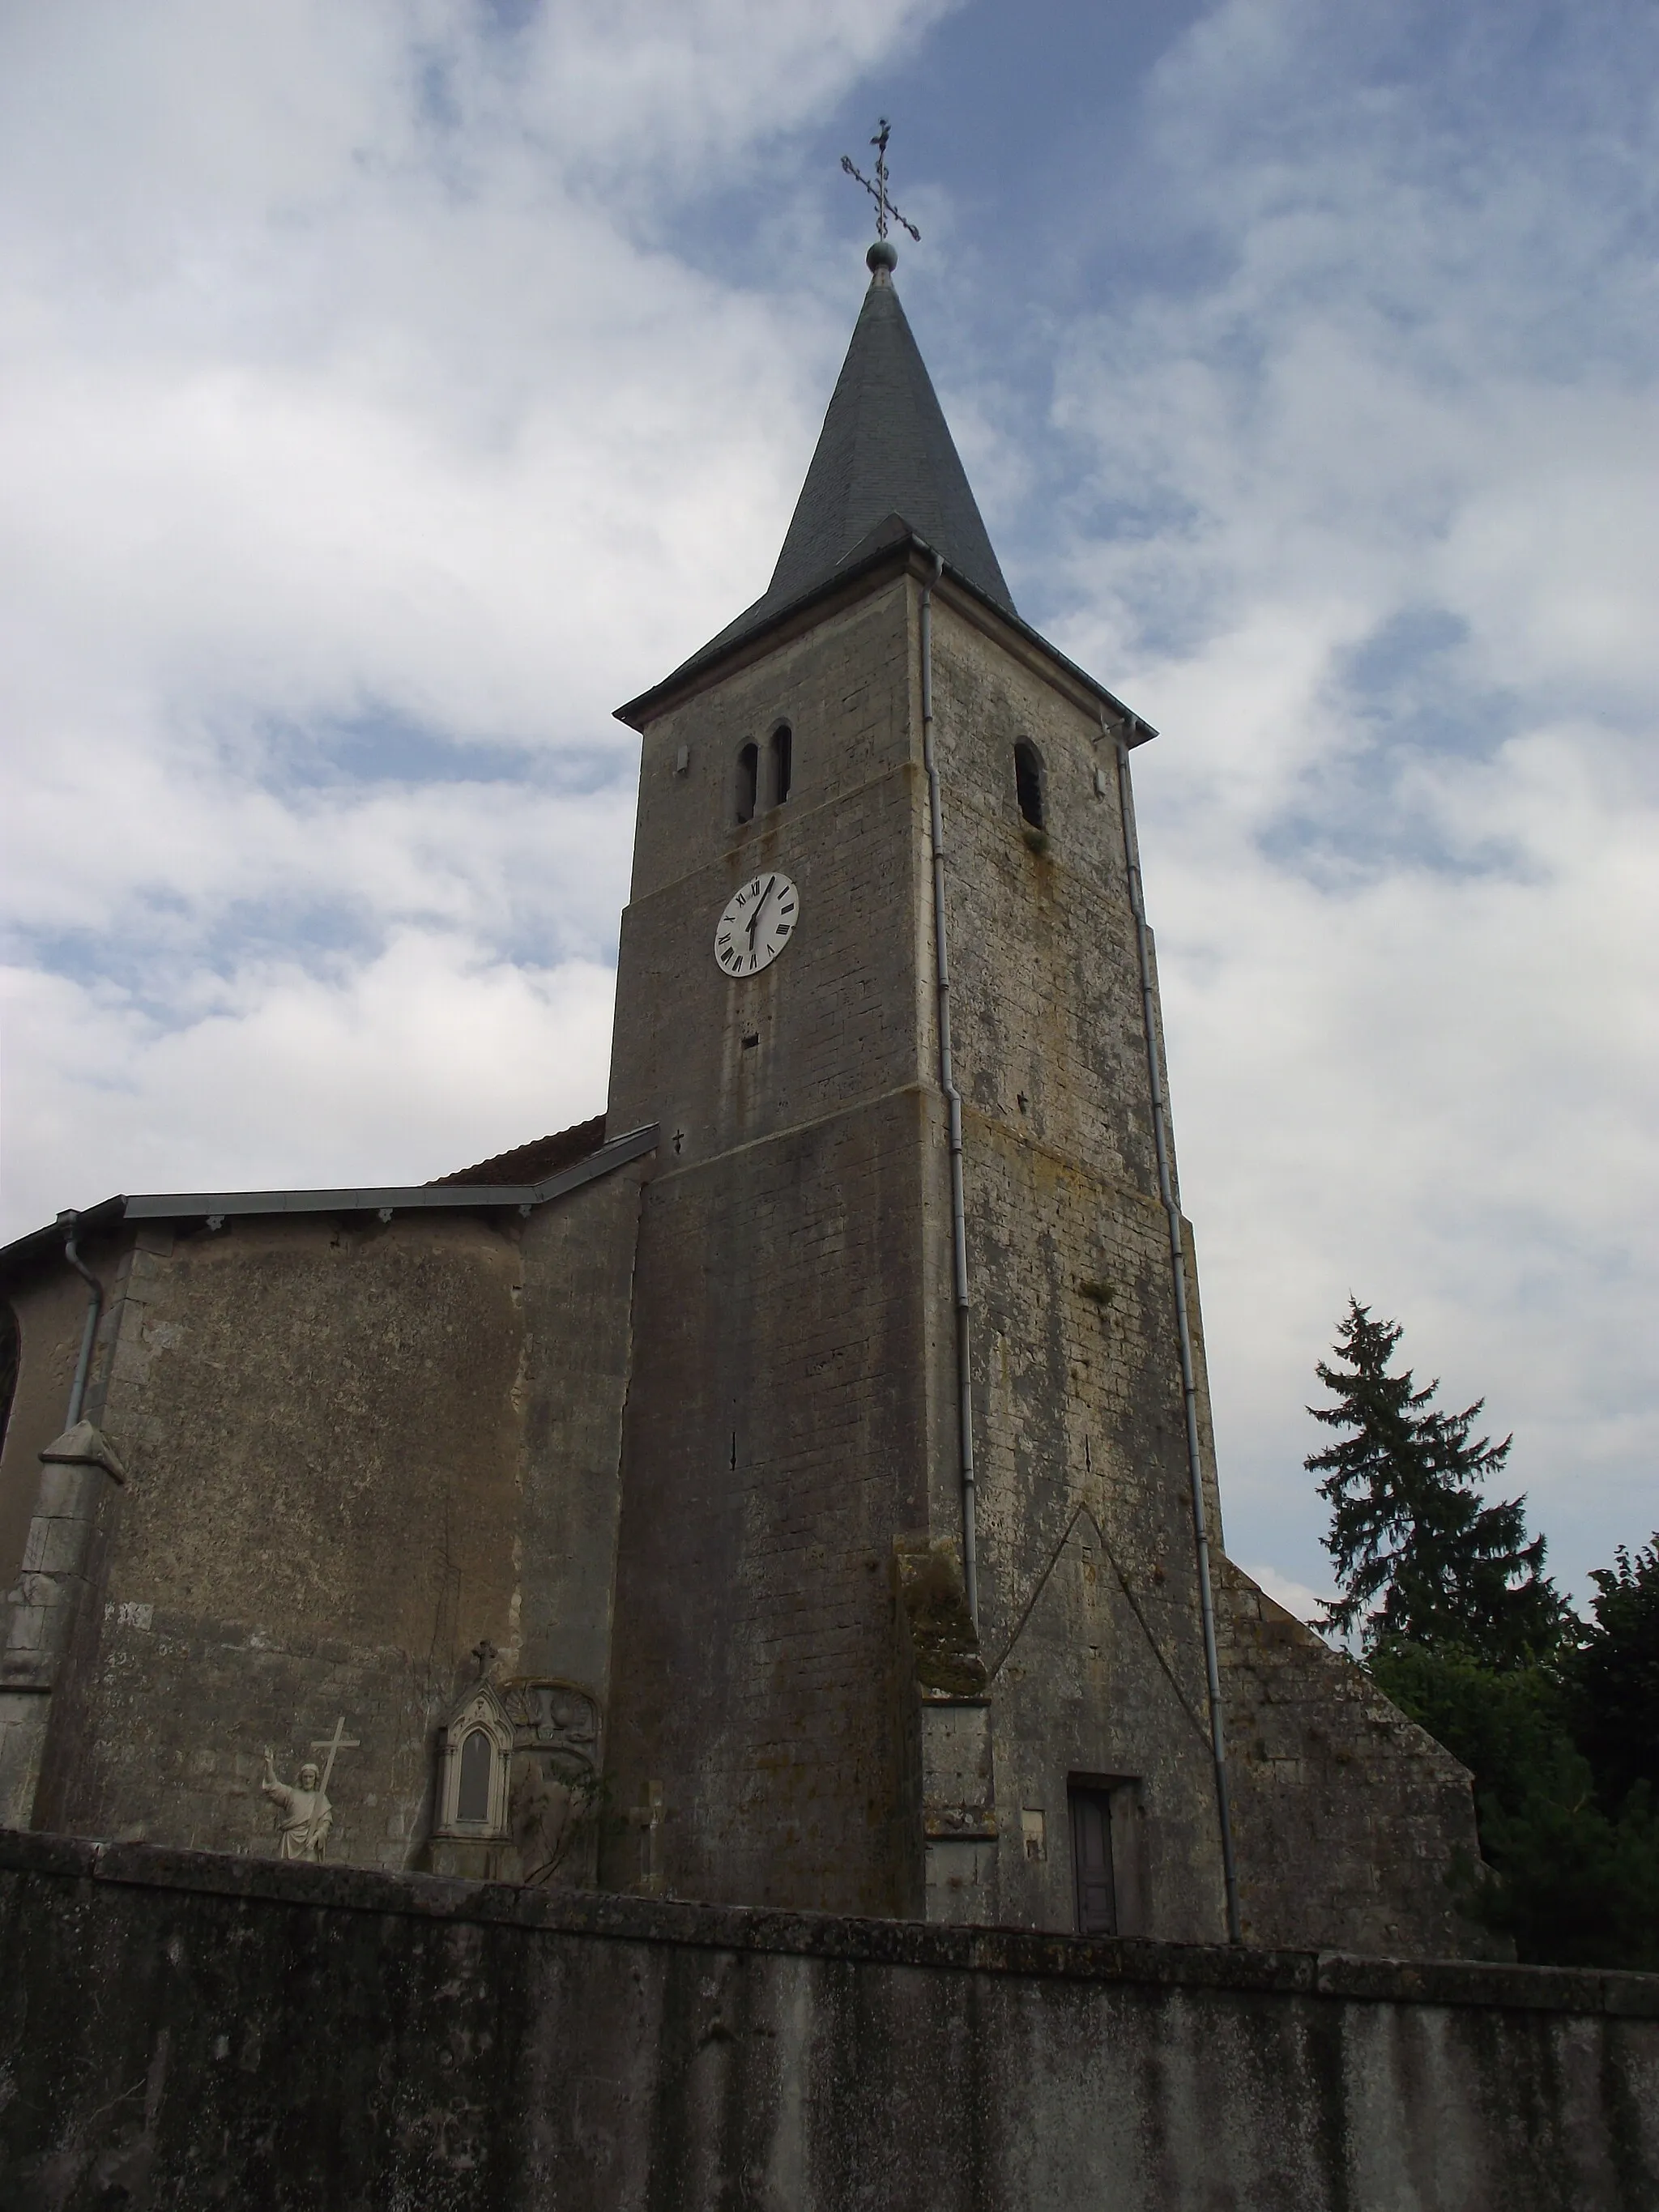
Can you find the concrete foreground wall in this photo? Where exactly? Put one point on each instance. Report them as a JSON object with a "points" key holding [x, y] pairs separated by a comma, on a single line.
{"points": [[183, 2029]]}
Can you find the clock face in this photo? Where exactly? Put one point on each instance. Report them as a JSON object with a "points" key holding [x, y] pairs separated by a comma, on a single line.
{"points": [[759, 922]]}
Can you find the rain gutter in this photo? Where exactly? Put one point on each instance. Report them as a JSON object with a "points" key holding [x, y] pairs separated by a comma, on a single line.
{"points": [[953, 1107]]}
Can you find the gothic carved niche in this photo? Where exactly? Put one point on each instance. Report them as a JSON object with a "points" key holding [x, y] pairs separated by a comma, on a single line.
{"points": [[517, 1785], [474, 1774], [555, 1789]]}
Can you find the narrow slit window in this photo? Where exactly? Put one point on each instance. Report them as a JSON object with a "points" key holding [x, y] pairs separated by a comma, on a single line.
{"points": [[748, 779], [783, 749], [472, 1801], [1028, 783]]}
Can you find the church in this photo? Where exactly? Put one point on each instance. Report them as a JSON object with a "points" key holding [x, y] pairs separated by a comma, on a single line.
{"points": [[794, 1486]]}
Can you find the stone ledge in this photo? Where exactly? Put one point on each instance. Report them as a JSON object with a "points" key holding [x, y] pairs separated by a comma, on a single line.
{"points": [[828, 1935]]}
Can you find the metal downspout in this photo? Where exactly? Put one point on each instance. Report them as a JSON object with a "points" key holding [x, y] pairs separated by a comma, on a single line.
{"points": [[1184, 1339], [953, 1105], [94, 1309]]}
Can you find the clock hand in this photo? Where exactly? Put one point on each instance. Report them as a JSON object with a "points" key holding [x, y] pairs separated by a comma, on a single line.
{"points": [[759, 906]]}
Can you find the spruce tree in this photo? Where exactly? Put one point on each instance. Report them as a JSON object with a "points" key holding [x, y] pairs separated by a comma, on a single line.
{"points": [[1613, 1677], [1571, 1871], [1420, 1557]]}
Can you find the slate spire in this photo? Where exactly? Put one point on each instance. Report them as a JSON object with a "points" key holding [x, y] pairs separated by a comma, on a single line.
{"points": [[884, 452], [885, 466]]}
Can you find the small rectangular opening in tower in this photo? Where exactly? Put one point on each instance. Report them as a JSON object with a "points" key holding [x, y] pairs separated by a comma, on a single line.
{"points": [[783, 751]]}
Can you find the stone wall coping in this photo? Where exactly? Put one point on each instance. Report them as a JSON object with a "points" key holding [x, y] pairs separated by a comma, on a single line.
{"points": [[1010, 1951]]}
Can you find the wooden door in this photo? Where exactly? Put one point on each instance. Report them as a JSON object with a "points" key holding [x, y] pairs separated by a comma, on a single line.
{"points": [[1091, 1861]]}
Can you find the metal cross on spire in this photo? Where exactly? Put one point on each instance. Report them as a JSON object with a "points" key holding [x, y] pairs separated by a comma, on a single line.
{"points": [[878, 191]]}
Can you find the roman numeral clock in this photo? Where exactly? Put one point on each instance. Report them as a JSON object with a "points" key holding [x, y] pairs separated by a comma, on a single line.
{"points": [[757, 923]]}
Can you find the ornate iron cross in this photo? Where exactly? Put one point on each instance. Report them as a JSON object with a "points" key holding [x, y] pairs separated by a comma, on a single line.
{"points": [[878, 191]]}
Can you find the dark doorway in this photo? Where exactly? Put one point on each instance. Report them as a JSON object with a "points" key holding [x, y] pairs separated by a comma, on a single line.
{"points": [[1092, 1864]]}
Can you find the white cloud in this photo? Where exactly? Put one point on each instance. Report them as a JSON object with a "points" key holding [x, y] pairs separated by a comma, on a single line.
{"points": [[1387, 592], [363, 445], [367, 435], [432, 1055], [1296, 1597]]}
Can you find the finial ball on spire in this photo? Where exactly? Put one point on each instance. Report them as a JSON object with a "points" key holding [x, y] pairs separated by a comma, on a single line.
{"points": [[884, 254]]}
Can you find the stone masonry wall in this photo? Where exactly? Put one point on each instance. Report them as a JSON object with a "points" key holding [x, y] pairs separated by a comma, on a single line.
{"points": [[193, 2032], [783, 1407], [353, 1449], [319, 1426], [1349, 1821], [1098, 1660], [774, 1448], [1089, 1593], [1051, 1057], [1046, 988], [749, 1702], [1314, 1750], [833, 1019], [578, 1258], [845, 686]]}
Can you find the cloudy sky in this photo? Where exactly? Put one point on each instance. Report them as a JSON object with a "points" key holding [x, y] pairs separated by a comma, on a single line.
{"points": [[386, 390]]}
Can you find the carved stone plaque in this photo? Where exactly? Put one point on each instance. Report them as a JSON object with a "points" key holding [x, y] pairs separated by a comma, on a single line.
{"points": [[555, 1789]]}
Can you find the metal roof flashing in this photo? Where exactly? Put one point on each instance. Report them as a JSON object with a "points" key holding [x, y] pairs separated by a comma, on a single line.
{"points": [[217, 1207]]}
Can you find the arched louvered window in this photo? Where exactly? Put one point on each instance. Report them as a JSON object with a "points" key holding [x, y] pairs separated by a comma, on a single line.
{"points": [[1028, 782], [748, 781], [783, 752]]}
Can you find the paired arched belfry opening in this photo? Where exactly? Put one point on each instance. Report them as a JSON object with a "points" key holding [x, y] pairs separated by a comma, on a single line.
{"points": [[763, 779]]}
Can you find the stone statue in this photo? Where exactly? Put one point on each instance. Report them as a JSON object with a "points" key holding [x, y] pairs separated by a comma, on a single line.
{"points": [[303, 1813]]}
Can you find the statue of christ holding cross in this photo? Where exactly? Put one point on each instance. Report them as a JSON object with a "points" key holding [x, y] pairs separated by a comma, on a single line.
{"points": [[304, 1815]]}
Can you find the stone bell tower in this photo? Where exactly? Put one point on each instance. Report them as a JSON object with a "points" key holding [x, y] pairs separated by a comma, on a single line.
{"points": [[801, 1695], [821, 1443]]}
